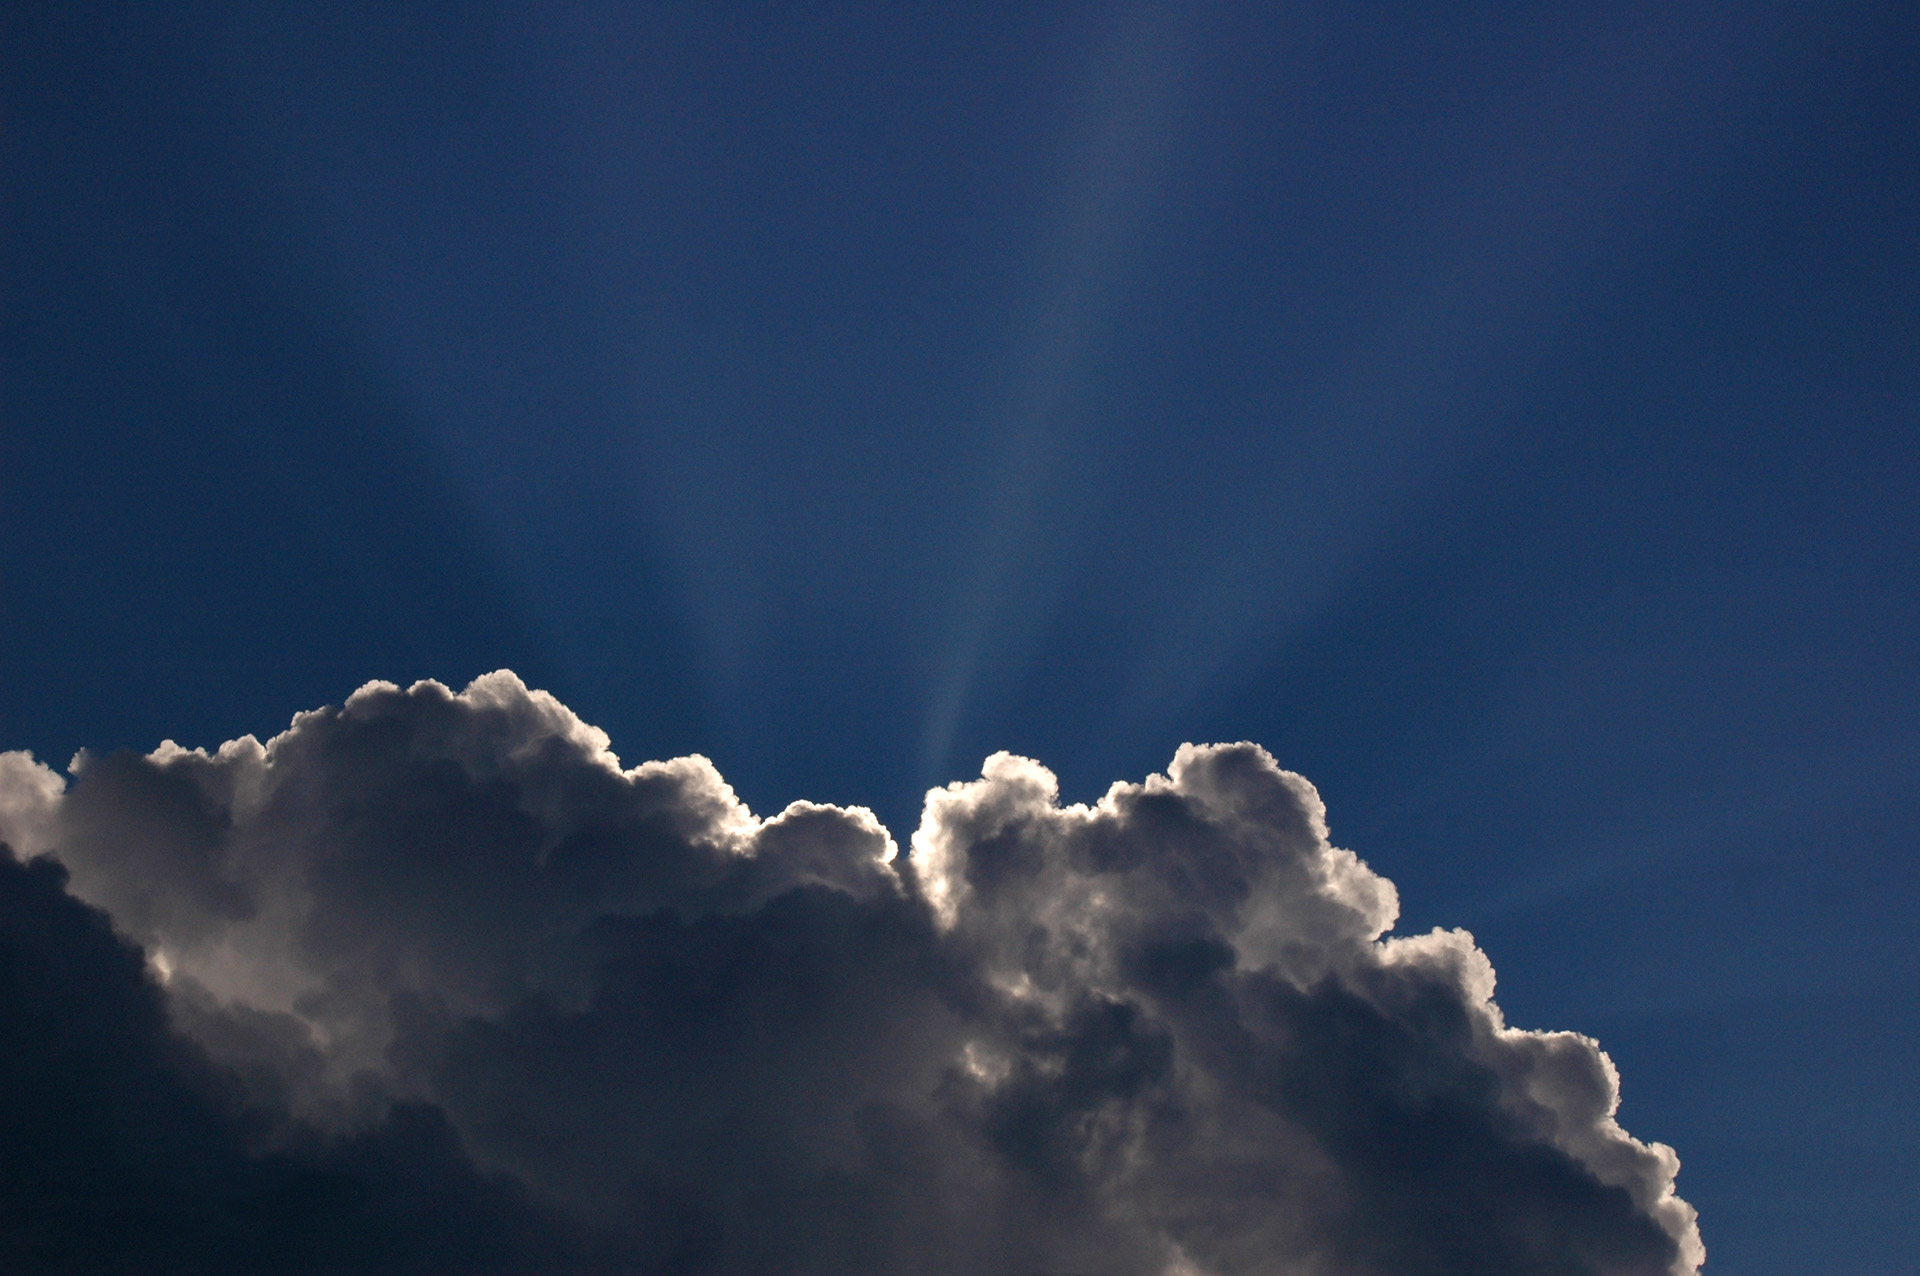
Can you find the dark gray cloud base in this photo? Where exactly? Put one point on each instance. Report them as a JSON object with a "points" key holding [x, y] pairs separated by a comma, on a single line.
{"points": [[431, 982]]}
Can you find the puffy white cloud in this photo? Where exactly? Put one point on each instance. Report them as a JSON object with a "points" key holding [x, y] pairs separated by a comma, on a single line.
{"points": [[29, 801], [1161, 1033]]}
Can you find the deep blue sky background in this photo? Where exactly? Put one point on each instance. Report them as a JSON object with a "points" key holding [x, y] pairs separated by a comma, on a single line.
{"points": [[1506, 414]]}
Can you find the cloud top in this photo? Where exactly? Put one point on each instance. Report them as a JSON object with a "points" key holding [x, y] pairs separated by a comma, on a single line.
{"points": [[640, 1028]]}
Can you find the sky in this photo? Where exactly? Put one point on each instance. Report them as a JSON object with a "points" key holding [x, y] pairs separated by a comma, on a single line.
{"points": [[1503, 415]]}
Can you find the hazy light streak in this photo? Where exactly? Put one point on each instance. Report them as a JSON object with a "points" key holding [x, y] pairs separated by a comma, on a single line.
{"points": [[1108, 183], [1516, 254]]}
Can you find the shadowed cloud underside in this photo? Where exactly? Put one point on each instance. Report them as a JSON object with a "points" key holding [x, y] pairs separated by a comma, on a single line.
{"points": [[431, 977]]}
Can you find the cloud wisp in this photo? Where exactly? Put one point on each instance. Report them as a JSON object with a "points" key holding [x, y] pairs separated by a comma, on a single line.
{"points": [[431, 982]]}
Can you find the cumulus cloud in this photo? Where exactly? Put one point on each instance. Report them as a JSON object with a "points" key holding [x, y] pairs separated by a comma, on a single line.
{"points": [[432, 977]]}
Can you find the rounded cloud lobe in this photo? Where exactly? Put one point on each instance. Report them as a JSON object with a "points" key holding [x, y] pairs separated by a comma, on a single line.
{"points": [[433, 974]]}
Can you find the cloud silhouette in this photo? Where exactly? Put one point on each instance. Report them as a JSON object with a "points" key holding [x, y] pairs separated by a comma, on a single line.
{"points": [[431, 982]]}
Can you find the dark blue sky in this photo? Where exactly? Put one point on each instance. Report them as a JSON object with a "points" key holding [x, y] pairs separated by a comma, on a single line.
{"points": [[1505, 414]]}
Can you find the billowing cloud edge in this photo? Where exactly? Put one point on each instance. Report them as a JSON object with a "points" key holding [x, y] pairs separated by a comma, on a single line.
{"points": [[330, 910]]}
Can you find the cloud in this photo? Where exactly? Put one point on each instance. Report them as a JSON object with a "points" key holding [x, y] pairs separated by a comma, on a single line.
{"points": [[432, 978]]}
